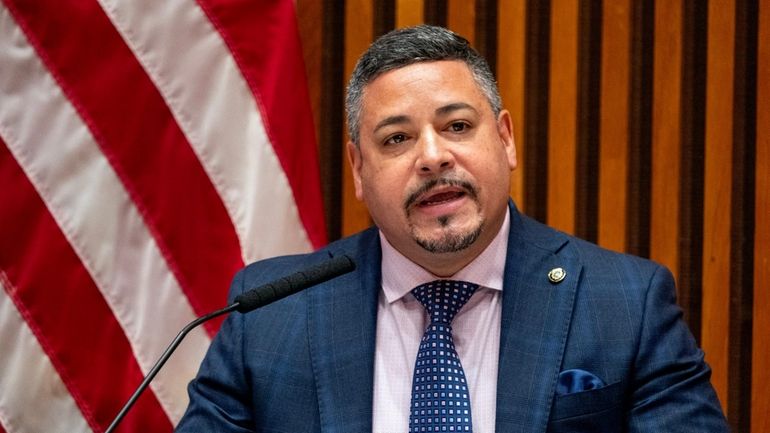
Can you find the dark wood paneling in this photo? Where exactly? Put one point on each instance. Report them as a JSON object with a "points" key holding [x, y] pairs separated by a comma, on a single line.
{"points": [[436, 12], [692, 163], [760, 360], [640, 129], [742, 216], [589, 86], [486, 31], [323, 53], [537, 77]]}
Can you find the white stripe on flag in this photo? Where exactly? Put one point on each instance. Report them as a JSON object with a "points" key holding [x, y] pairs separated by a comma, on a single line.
{"points": [[87, 200], [28, 380], [196, 74]]}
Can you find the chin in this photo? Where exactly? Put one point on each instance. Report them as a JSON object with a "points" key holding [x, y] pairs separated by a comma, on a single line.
{"points": [[448, 241]]}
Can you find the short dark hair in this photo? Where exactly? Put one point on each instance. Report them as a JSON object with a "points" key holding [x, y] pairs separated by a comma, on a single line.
{"points": [[403, 47]]}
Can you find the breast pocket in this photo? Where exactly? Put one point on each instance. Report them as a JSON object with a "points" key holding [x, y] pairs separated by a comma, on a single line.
{"points": [[596, 411]]}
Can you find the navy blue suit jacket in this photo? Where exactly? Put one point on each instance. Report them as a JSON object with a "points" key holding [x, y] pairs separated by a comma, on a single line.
{"points": [[306, 363]]}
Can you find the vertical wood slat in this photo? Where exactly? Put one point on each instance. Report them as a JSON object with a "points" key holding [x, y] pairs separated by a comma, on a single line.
{"points": [[717, 187], [461, 18], [742, 215], [666, 111], [359, 33], [614, 127], [562, 115], [322, 51], [587, 120], [691, 162], [640, 129], [537, 78], [760, 383], [511, 61], [409, 13]]}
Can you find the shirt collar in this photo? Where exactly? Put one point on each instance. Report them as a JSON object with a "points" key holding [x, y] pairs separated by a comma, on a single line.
{"points": [[400, 275]]}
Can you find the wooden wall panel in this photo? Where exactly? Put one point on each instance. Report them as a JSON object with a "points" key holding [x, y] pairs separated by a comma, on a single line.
{"points": [[511, 67], [682, 118], [640, 129], [461, 18], [717, 187], [666, 140], [359, 33], [614, 125], [409, 13], [760, 363], [562, 114]]}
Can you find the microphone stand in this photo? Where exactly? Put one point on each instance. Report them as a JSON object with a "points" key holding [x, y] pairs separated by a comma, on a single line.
{"points": [[244, 303], [160, 362]]}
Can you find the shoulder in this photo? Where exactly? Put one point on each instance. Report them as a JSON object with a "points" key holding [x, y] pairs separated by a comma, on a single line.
{"points": [[593, 258]]}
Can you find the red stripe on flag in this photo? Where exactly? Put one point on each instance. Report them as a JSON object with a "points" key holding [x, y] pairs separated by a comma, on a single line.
{"points": [[138, 134], [65, 310], [265, 43]]}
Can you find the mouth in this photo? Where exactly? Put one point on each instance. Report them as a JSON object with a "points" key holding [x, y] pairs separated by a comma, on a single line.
{"points": [[439, 193], [440, 197]]}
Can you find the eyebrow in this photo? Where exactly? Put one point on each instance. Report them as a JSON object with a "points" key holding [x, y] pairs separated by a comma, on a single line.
{"points": [[391, 120], [441, 111], [449, 108]]}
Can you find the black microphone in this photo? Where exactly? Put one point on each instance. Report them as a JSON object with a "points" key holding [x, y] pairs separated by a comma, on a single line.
{"points": [[293, 283], [244, 303]]}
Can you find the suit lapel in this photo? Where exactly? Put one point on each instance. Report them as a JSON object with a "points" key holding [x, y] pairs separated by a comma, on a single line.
{"points": [[342, 319], [535, 322]]}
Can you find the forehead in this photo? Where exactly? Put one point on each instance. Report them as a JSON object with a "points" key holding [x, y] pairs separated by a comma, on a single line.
{"points": [[412, 86]]}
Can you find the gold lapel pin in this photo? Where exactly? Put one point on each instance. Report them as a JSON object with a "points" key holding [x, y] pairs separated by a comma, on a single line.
{"points": [[556, 275]]}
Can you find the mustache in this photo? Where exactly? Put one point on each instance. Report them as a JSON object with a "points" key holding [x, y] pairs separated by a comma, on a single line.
{"points": [[466, 186]]}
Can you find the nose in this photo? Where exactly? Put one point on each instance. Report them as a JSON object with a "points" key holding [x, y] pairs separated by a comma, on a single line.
{"points": [[434, 154]]}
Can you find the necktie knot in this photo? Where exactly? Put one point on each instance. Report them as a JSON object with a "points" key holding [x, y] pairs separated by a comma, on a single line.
{"points": [[444, 298]]}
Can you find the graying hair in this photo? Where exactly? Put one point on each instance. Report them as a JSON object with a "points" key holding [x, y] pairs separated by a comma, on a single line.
{"points": [[410, 45]]}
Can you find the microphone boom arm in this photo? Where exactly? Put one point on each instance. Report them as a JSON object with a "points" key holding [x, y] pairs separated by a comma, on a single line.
{"points": [[244, 303], [162, 361]]}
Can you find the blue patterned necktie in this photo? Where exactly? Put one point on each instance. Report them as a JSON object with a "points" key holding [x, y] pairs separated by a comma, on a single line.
{"points": [[440, 396]]}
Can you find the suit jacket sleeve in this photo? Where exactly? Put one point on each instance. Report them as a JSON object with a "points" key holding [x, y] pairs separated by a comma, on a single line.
{"points": [[671, 389]]}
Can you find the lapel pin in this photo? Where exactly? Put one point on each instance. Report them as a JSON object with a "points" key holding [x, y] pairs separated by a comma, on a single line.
{"points": [[556, 275]]}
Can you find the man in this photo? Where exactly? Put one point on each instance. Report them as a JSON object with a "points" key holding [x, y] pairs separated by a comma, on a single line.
{"points": [[549, 333]]}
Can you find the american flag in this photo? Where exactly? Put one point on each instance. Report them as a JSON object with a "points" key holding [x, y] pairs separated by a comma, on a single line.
{"points": [[148, 149]]}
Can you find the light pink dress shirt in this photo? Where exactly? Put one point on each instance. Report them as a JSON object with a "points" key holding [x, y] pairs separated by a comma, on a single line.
{"points": [[401, 322]]}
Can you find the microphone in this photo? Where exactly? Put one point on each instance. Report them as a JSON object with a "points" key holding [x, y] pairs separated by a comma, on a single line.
{"points": [[244, 303], [293, 283]]}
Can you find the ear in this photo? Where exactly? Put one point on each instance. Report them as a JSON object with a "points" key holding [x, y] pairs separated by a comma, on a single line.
{"points": [[356, 160], [505, 132]]}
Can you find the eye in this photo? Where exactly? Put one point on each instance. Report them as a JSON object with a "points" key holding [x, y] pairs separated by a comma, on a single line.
{"points": [[395, 139], [458, 126]]}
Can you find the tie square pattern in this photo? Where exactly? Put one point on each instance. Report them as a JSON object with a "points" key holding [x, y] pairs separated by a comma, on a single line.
{"points": [[440, 397]]}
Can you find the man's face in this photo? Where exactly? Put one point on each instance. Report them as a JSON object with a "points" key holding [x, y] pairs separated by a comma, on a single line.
{"points": [[434, 163]]}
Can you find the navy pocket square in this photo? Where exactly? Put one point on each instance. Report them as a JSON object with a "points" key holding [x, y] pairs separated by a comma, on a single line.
{"points": [[576, 380]]}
